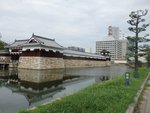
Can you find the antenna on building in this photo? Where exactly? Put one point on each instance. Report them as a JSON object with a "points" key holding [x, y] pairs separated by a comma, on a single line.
{"points": [[109, 30]]}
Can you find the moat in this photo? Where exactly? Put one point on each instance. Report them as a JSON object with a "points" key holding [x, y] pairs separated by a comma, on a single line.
{"points": [[21, 89]]}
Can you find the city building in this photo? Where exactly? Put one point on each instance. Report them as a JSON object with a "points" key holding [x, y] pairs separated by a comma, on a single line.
{"points": [[89, 50], [124, 48], [112, 43], [114, 31], [76, 48]]}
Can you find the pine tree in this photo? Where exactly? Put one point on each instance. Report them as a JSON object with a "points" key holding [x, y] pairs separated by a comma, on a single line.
{"points": [[1, 45], [136, 18]]}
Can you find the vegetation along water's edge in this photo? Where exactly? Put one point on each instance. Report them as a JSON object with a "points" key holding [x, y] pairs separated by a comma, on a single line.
{"points": [[111, 96]]}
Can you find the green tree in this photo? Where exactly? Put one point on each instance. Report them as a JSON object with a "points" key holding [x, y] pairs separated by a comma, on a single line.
{"points": [[2, 44], [148, 59], [136, 18], [146, 52]]}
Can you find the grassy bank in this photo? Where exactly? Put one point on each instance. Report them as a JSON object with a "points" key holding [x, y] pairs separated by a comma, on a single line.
{"points": [[108, 97]]}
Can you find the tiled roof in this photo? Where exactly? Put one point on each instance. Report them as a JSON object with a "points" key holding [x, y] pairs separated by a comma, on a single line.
{"points": [[40, 41], [43, 41], [17, 43]]}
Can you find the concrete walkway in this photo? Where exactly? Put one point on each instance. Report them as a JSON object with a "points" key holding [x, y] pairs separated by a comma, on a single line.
{"points": [[144, 104]]}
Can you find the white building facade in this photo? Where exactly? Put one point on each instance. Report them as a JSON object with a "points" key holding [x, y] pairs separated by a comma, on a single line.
{"points": [[117, 48]]}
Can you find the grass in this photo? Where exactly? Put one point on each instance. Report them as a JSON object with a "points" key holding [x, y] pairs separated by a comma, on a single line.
{"points": [[112, 96]]}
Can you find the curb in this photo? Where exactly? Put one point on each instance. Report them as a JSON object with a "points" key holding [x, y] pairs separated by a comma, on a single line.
{"points": [[133, 105]]}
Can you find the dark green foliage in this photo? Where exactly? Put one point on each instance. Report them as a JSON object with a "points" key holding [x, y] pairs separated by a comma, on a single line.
{"points": [[136, 18], [148, 59], [147, 51], [2, 44], [112, 96]]}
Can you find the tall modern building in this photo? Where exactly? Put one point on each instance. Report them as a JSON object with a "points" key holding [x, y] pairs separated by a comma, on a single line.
{"points": [[124, 44], [114, 31], [113, 44]]}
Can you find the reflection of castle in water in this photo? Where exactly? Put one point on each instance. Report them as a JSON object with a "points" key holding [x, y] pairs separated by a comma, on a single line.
{"points": [[40, 79], [35, 85], [40, 76], [41, 85]]}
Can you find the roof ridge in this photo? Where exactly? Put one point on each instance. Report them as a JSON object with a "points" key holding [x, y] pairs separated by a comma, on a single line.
{"points": [[21, 40], [43, 37]]}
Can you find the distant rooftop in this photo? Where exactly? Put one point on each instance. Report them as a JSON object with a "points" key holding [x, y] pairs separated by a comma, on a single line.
{"points": [[76, 48], [17, 43], [74, 53]]}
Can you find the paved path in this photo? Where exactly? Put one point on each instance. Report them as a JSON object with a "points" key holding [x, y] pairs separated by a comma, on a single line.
{"points": [[144, 106]]}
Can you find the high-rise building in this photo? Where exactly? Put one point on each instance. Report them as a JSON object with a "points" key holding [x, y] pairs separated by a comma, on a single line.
{"points": [[114, 31], [113, 44], [124, 48]]}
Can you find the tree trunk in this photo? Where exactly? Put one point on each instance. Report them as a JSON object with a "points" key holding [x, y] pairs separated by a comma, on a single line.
{"points": [[136, 73]]}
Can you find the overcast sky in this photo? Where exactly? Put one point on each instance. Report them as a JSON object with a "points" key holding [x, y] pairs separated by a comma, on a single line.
{"points": [[71, 22]]}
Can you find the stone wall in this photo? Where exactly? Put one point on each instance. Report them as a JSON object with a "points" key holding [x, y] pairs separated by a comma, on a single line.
{"points": [[70, 63], [53, 63], [40, 62]]}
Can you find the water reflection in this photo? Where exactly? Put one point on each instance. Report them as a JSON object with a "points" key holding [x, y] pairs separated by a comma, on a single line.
{"points": [[21, 89], [40, 76], [103, 71]]}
